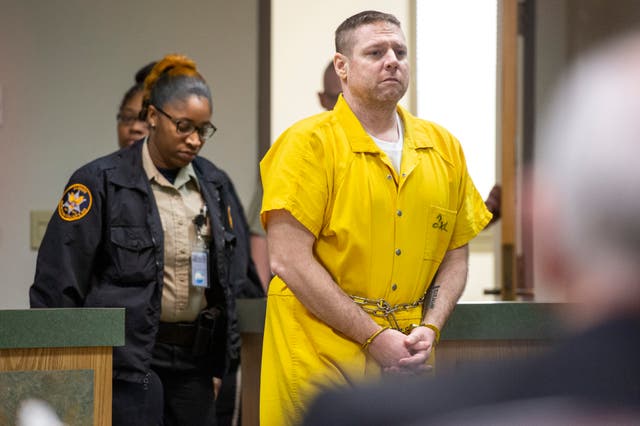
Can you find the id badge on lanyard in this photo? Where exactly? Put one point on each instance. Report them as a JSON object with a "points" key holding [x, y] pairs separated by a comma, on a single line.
{"points": [[200, 253]]}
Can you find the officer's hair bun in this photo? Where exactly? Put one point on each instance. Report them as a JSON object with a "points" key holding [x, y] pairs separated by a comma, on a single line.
{"points": [[172, 66]]}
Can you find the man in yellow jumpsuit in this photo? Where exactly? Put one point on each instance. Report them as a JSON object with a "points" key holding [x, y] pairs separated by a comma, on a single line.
{"points": [[368, 212]]}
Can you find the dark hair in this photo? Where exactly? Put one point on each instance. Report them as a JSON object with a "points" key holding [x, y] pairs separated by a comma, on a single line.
{"points": [[173, 77], [139, 77], [144, 72], [133, 90], [344, 30]]}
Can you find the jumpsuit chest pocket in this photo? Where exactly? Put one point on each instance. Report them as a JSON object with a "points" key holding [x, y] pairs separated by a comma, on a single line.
{"points": [[133, 254], [440, 225]]}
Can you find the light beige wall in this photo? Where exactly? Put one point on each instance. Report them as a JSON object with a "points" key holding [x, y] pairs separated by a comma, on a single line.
{"points": [[64, 67], [302, 46]]}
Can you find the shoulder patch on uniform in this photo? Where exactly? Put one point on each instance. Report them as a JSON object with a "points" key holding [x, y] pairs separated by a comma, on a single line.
{"points": [[75, 202]]}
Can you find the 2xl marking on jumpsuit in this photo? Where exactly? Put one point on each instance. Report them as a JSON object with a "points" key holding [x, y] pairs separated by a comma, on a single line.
{"points": [[440, 224]]}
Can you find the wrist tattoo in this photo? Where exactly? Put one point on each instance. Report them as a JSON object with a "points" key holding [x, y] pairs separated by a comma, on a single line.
{"points": [[432, 294]]}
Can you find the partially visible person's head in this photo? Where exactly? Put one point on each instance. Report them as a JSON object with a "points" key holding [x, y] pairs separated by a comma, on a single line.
{"points": [[586, 206], [371, 60], [177, 106], [143, 72], [131, 127], [331, 85]]}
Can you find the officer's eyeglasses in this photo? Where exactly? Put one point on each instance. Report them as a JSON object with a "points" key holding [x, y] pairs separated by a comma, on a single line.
{"points": [[186, 127]]}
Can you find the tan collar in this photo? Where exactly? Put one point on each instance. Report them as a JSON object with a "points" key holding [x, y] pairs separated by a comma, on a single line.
{"points": [[185, 174]]}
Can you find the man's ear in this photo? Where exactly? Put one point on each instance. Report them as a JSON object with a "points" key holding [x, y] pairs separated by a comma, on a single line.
{"points": [[341, 65]]}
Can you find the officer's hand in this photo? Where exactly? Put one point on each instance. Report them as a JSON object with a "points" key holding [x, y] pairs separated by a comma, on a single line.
{"points": [[217, 384]]}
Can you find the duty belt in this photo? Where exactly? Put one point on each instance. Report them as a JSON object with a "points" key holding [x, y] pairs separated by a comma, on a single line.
{"points": [[177, 333], [382, 309]]}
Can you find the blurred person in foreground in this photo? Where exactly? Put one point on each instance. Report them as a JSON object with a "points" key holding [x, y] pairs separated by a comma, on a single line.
{"points": [[368, 212], [158, 230], [585, 215]]}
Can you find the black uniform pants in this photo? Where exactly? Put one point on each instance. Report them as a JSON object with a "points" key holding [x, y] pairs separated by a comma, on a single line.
{"points": [[178, 391]]}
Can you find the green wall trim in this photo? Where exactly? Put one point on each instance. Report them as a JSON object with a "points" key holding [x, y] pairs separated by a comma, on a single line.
{"points": [[503, 321], [469, 321], [65, 327]]}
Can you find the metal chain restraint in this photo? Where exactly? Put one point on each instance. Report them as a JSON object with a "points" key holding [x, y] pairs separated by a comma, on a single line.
{"points": [[382, 309]]}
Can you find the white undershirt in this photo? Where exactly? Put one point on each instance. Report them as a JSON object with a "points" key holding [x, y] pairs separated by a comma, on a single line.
{"points": [[393, 149]]}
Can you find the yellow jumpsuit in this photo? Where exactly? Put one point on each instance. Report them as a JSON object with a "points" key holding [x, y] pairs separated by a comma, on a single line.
{"points": [[379, 234]]}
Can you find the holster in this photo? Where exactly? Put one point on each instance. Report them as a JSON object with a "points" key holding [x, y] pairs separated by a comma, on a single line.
{"points": [[204, 338]]}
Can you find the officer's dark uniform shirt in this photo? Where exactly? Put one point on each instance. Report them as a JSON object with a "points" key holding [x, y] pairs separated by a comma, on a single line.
{"points": [[104, 248]]}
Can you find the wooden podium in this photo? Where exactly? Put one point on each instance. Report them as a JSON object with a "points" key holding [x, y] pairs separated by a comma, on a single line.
{"points": [[62, 357]]}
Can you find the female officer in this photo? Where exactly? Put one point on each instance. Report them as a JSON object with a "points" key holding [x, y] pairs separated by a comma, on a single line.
{"points": [[132, 127], [158, 230]]}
